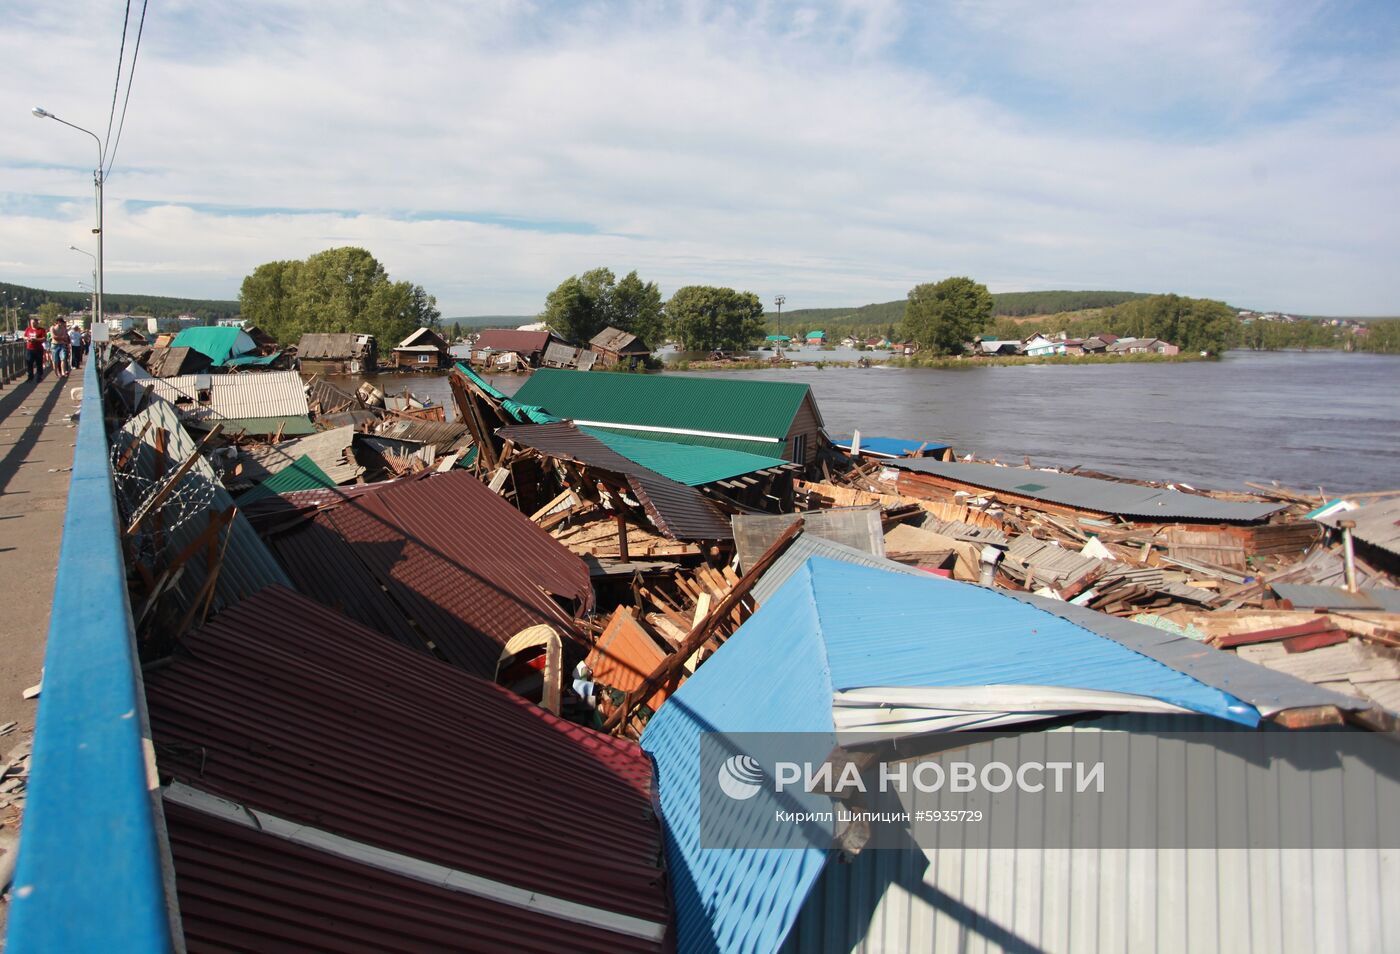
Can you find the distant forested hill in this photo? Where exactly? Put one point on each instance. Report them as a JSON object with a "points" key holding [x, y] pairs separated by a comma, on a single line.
{"points": [[879, 319], [156, 306]]}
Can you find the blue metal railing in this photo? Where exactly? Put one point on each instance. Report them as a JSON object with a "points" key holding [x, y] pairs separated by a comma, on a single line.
{"points": [[89, 874]]}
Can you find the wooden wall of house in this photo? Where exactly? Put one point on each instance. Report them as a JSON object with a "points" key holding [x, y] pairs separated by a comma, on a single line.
{"points": [[804, 422], [338, 366]]}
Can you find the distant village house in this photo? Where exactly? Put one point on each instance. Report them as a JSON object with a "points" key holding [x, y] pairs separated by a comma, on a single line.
{"points": [[338, 353], [505, 349], [424, 350], [613, 346]]}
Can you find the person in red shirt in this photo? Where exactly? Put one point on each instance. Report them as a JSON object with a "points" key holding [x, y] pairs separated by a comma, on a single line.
{"points": [[34, 351]]}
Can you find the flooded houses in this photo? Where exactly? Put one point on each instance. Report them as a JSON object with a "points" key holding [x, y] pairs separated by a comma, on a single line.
{"points": [[638, 662]]}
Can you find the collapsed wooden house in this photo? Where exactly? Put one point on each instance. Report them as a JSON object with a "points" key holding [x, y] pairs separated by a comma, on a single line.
{"points": [[338, 353]]}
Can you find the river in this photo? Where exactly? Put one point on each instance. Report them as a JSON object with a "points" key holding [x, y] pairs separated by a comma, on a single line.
{"points": [[1321, 418]]}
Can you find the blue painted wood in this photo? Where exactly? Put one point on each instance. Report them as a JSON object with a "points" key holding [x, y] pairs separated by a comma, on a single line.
{"points": [[89, 868]]}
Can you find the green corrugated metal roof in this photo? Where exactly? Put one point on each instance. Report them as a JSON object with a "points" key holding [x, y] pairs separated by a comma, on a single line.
{"points": [[755, 448], [249, 359], [293, 426], [722, 405], [218, 343], [521, 412], [302, 474], [684, 463]]}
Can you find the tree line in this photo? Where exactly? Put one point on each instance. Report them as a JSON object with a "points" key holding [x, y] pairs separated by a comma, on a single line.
{"points": [[339, 290], [206, 310], [697, 317]]}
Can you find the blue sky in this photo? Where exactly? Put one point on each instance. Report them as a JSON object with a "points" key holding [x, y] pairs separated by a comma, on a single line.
{"points": [[836, 153]]}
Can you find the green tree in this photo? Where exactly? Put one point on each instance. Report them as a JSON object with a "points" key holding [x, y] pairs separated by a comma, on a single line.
{"points": [[1193, 324], [636, 307], [338, 290], [456, 330], [704, 318], [584, 305], [49, 312], [942, 316]]}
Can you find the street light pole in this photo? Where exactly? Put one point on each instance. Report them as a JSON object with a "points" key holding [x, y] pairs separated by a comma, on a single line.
{"points": [[94, 281], [42, 113]]}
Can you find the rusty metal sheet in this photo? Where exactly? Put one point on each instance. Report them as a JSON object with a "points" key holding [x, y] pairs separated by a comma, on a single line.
{"points": [[288, 708]]}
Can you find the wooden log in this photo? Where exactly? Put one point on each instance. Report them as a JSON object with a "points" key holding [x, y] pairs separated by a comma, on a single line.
{"points": [[700, 633]]}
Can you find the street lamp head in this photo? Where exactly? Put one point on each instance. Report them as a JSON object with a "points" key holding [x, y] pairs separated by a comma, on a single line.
{"points": [[41, 113]]}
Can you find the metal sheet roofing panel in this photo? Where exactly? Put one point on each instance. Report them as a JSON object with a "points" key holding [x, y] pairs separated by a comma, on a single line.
{"points": [[248, 566], [679, 511], [1308, 596], [724, 406], [504, 339], [218, 343], [286, 707], [1088, 493], [331, 450], [960, 895], [685, 463], [758, 448], [1377, 524], [469, 569], [808, 545], [266, 394], [857, 527], [1267, 691], [835, 626]]}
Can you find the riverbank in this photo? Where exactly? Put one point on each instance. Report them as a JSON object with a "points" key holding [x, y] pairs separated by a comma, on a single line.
{"points": [[938, 361]]}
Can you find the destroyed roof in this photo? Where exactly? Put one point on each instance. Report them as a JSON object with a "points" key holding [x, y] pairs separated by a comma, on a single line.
{"points": [[466, 567], [1377, 524], [891, 446], [169, 362], [846, 640], [615, 339], [686, 463], [446, 436], [679, 511], [219, 344], [324, 785], [521, 412], [331, 450], [692, 407], [330, 346], [292, 425], [274, 394], [247, 565], [301, 474], [504, 339], [253, 360], [1089, 493], [560, 353], [1309, 596], [422, 338]]}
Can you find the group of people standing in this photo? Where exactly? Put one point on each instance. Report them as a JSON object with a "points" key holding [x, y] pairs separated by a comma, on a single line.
{"points": [[59, 347]]}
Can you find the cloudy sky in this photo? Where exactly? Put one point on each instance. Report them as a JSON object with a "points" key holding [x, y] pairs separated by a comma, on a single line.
{"points": [[836, 153]]}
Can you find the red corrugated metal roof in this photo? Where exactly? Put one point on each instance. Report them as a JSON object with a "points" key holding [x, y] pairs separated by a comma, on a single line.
{"points": [[467, 568], [290, 709], [522, 342]]}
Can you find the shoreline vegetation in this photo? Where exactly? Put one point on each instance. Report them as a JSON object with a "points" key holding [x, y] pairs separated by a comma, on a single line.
{"points": [[937, 361]]}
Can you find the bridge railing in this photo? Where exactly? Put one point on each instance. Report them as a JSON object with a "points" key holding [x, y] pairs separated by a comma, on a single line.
{"points": [[91, 867]]}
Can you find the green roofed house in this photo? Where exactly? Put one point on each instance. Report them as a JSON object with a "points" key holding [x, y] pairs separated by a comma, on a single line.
{"points": [[767, 418], [219, 344], [816, 337]]}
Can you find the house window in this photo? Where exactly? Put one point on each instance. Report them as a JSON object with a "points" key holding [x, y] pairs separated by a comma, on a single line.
{"points": [[424, 358], [799, 449]]}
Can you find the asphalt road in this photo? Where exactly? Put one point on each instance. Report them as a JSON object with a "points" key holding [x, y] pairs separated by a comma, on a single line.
{"points": [[36, 455]]}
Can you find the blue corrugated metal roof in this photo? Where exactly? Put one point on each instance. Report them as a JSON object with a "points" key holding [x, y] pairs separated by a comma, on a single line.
{"points": [[835, 626], [891, 446]]}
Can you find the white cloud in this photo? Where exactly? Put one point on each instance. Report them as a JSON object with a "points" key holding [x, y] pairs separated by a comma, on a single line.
{"points": [[798, 148]]}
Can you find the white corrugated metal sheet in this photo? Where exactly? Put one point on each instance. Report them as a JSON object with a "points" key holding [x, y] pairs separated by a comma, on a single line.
{"points": [[256, 394], [1131, 900]]}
